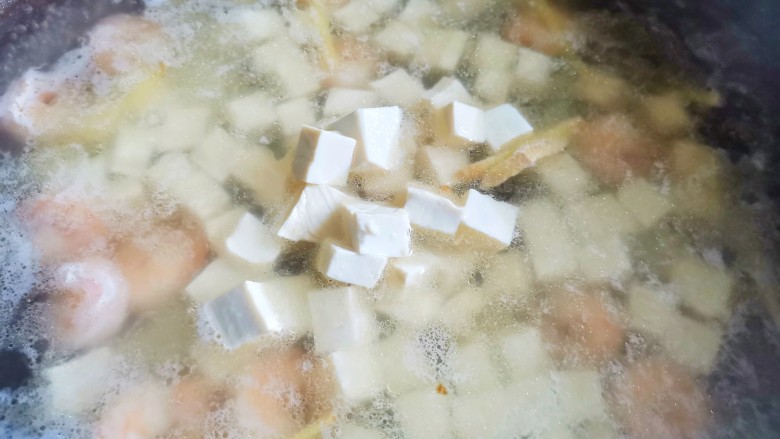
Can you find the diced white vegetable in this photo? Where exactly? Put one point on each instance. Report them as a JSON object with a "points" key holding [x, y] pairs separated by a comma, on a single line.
{"points": [[409, 271], [534, 407], [399, 39], [473, 369], [701, 286], [504, 123], [294, 113], [72, 388], [313, 217], [604, 259], [182, 128], [493, 52], [341, 101], [482, 415], [252, 112], [459, 124], [290, 65], [462, 11], [579, 396], [440, 164], [492, 218], [132, 151], [357, 372], [256, 308], [419, 12], [128, 189], [644, 202], [459, 312], [402, 363], [493, 85], [412, 306], [432, 211], [256, 25], [599, 217], [447, 91], [564, 176], [352, 431], [424, 414], [217, 154], [373, 229], [549, 243], [377, 132], [356, 16], [340, 319], [344, 265], [398, 88], [260, 172], [524, 353], [323, 157], [508, 273], [252, 242], [441, 49], [533, 68], [221, 226], [216, 279]]}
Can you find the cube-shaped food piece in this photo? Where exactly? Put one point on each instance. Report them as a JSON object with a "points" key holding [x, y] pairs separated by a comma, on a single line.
{"points": [[482, 415], [252, 112], [419, 13], [424, 414], [524, 353], [373, 229], [323, 157], [132, 152], [508, 272], [341, 101], [313, 218], [432, 211], [289, 64], [265, 177], [644, 202], [473, 369], [604, 258], [459, 312], [580, 396], [356, 16], [564, 176], [447, 91], [459, 124], [416, 270], [504, 123], [343, 265], [256, 25], [216, 279], [403, 363], [218, 154], [340, 319], [550, 244], [493, 85], [256, 308], [439, 165], [252, 242], [534, 406], [294, 113], [491, 52], [377, 132], [399, 39], [183, 127], [71, 389], [492, 218], [441, 49], [399, 88], [598, 217], [701, 286], [357, 373], [533, 68]]}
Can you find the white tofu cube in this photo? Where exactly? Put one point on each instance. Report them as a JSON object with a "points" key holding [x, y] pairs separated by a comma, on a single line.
{"points": [[399, 39], [71, 389], [604, 259], [492, 218], [294, 113], [703, 287], [254, 112], [524, 353], [398, 88], [533, 68], [182, 128], [424, 414], [491, 52], [132, 152], [313, 218], [458, 313], [493, 85], [447, 91], [323, 157], [410, 271], [508, 273], [221, 226], [439, 165], [356, 16], [579, 395], [564, 176], [340, 319], [550, 244], [599, 217], [341, 101], [252, 242], [344, 265], [289, 64], [216, 279], [257, 308], [357, 373], [643, 201], [377, 230], [458, 124], [403, 363], [472, 368], [218, 154], [377, 132], [441, 49], [432, 211], [256, 25], [504, 123]]}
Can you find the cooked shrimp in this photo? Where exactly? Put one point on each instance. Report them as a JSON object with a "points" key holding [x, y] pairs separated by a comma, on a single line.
{"points": [[141, 412], [581, 328], [539, 27], [192, 399], [91, 302], [125, 43], [614, 149], [654, 399], [160, 262]]}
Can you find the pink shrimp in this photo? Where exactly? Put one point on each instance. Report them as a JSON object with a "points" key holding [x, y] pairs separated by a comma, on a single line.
{"points": [[125, 43], [143, 411], [192, 399]]}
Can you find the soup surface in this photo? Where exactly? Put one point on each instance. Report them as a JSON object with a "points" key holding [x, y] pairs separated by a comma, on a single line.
{"points": [[367, 219]]}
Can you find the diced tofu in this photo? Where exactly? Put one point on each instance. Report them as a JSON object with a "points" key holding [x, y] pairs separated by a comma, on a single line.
{"points": [[579, 396], [706, 289], [604, 259], [473, 369], [72, 388], [489, 217], [550, 245], [533, 68], [352, 431], [441, 49], [458, 313], [493, 85], [340, 319], [644, 202], [432, 211], [294, 113], [289, 64], [347, 266], [440, 164], [524, 353], [256, 308], [398, 88], [221, 226], [341, 101], [357, 373], [508, 273], [218, 153], [412, 306], [402, 363], [493, 52], [256, 25], [133, 149], [424, 414], [385, 185], [399, 39], [458, 124], [356, 16], [216, 279], [600, 217], [313, 218], [377, 132], [323, 157], [373, 229], [564, 176], [447, 91], [410, 271], [182, 128], [504, 123], [254, 112], [252, 242]]}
